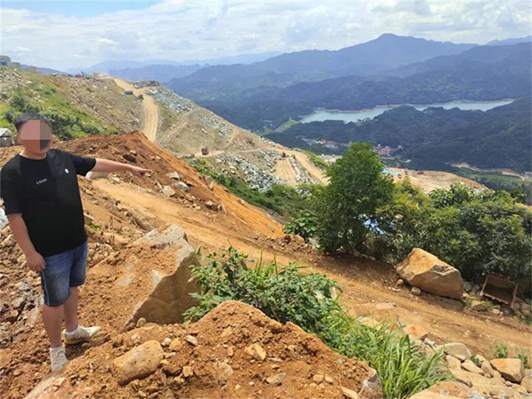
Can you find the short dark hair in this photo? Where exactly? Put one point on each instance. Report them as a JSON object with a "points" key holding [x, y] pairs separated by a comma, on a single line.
{"points": [[29, 116]]}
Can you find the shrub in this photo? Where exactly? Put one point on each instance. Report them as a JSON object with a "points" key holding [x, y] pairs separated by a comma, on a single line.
{"points": [[500, 351], [307, 300], [304, 225]]}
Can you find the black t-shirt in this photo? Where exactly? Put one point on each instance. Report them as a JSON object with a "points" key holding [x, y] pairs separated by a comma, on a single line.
{"points": [[46, 193]]}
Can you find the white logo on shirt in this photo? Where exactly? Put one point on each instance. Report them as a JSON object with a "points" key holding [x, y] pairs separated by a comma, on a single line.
{"points": [[41, 181], [67, 171]]}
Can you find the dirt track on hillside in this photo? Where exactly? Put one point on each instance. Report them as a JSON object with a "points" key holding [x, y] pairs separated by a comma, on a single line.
{"points": [[149, 107]]}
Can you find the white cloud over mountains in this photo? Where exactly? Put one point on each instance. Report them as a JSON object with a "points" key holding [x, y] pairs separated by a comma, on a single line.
{"points": [[200, 29]]}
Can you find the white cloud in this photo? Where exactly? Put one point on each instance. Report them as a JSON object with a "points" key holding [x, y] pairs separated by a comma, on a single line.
{"points": [[199, 29]]}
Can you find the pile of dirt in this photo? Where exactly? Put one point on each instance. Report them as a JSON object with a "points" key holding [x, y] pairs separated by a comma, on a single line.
{"points": [[165, 169], [235, 351]]}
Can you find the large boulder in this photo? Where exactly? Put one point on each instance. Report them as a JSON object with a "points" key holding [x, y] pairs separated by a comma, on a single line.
{"points": [[424, 270], [166, 293], [150, 281], [510, 369]]}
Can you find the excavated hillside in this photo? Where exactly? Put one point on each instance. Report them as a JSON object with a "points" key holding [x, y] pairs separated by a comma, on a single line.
{"points": [[125, 262], [190, 130]]}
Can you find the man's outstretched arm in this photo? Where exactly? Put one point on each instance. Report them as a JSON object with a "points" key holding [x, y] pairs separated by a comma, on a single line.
{"points": [[108, 166]]}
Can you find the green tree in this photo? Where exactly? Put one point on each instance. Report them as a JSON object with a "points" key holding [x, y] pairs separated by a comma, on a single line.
{"points": [[346, 209], [401, 223]]}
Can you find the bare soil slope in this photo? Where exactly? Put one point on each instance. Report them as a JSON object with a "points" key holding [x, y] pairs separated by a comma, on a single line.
{"points": [[125, 207]]}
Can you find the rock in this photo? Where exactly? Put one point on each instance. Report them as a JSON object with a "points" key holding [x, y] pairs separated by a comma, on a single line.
{"points": [[318, 378], [526, 383], [141, 322], [400, 282], [192, 340], [182, 186], [162, 289], [487, 369], [447, 390], [168, 191], [471, 367], [488, 387], [256, 351], [510, 369], [329, 379], [416, 331], [223, 372], [496, 312], [174, 176], [276, 379], [349, 393], [188, 372], [452, 362], [457, 350], [425, 271], [175, 345], [415, 291], [166, 342], [211, 205], [129, 157], [139, 362]]}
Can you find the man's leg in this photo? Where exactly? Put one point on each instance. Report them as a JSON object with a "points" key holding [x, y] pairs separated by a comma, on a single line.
{"points": [[55, 284], [74, 332], [52, 317], [71, 310]]}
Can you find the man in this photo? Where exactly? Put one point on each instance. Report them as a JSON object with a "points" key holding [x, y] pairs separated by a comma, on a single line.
{"points": [[42, 202]]}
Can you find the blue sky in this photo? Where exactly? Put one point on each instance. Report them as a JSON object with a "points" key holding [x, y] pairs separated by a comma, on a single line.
{"points": [[77, 8], [77, 34]]}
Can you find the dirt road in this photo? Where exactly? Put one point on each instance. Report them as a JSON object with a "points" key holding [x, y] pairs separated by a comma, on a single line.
{"points": [[150, 108]]}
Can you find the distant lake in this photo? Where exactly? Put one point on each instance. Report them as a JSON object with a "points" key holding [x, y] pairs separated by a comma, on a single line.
{"points": [[321, 115]]}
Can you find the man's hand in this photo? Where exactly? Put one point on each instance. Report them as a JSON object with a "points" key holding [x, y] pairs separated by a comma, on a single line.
{"points": [[35, 261], [138, 171]]}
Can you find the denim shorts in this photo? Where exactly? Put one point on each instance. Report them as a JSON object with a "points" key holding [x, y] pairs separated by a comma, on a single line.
{"points": [[64, 270]]}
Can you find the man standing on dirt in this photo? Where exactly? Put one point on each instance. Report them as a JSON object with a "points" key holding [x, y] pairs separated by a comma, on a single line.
{"points": [[43, 205]]}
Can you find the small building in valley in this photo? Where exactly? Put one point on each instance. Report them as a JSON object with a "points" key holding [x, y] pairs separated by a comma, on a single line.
{"points": [[6, 137]]}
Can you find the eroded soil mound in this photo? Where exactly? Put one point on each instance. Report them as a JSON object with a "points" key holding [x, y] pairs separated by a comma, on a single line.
{"points": [[234, 352]]}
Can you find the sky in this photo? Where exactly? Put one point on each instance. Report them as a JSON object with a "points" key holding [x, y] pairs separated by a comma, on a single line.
{"points": [[73, 34]]}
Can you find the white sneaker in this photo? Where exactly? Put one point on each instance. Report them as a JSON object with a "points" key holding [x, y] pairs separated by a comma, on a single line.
{"points": [[80, 334], [58, 359]]}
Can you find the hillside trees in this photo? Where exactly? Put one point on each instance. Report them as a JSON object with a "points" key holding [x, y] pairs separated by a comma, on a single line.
{"points": [[476, 231]]}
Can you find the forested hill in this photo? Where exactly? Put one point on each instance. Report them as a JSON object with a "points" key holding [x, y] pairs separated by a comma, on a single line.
{"points": [[435, 137], [481, 73]]}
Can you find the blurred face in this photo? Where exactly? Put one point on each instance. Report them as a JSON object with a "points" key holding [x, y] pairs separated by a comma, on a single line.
{"points": [[36, 137]]}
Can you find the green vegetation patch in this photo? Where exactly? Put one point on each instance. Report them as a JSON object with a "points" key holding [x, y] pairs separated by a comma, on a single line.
{"points": [[41, 96], [282, 199], [286, 294]]}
